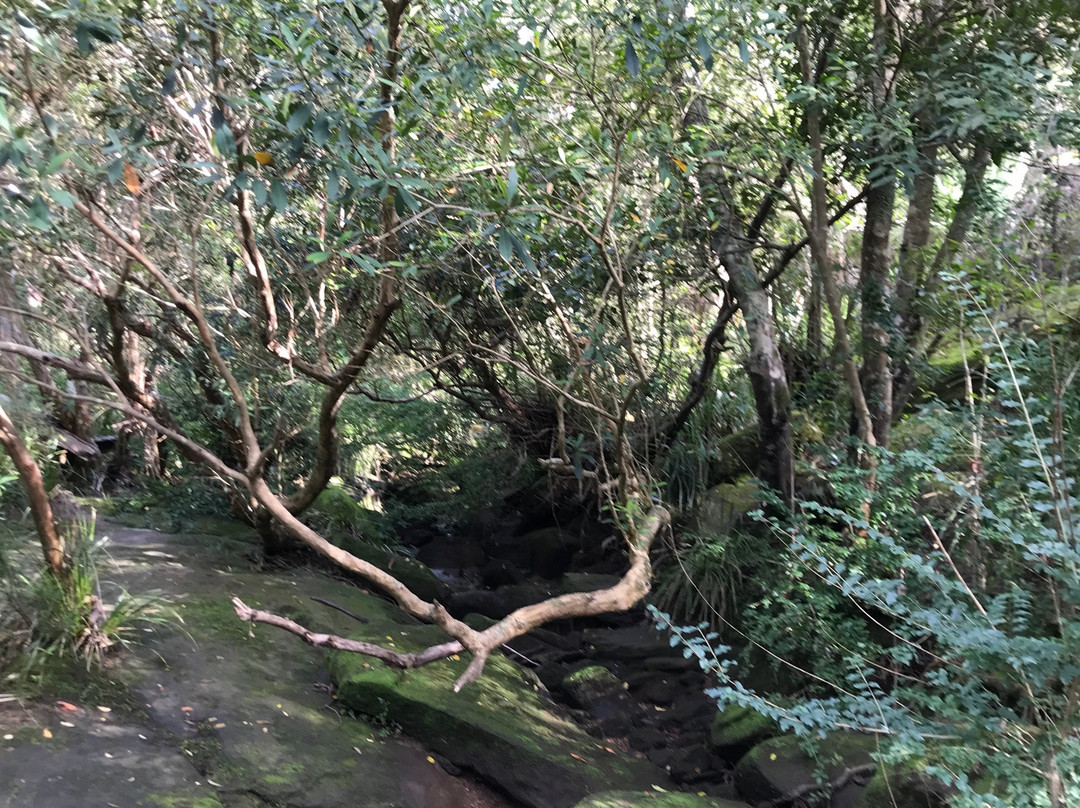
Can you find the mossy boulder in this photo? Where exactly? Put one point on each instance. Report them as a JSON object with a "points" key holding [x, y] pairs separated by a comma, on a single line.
{"points": [[782, 770], [336, 509], [546, 552], [655, 799], [501, 727], [724, 506], [735, 455], [737, 729], [590, 684], [907, 786]]}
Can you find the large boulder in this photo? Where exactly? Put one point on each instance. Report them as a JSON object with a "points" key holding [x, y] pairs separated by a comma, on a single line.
{"points": [[655, 799], [906, 786], [452, 553], [780, 770], [724, 506], [337, 510], [736, 730], [501, 727]]}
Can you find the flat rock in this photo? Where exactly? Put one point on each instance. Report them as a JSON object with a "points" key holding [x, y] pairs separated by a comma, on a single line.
{"points": [[653, 799], [501, 727]]}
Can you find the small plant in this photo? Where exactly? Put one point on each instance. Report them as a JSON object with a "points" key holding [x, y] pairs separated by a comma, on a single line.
{"points": [[43, 617]]}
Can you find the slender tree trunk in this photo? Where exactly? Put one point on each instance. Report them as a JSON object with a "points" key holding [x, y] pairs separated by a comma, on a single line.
{"points": [[963, 220], [819, 251], [876, 261], [52, 543], [910, 274], [876, 257]]}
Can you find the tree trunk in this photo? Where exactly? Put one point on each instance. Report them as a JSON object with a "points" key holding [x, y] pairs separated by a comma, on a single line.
{"points": [[765, 366], [963, 220], [910, 275], [876, 261], [876, 258], [819, 252], [52, 543], [768, 377]]}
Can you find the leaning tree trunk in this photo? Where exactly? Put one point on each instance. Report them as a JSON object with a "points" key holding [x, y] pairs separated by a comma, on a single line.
{"points": [[768, 377], [52, 543]]}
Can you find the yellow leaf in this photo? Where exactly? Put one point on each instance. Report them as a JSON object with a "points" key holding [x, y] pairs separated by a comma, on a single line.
{"points": [[131, 179], [45, 732], [263, 158], [679, 163], [430, 759], [772, 756]]}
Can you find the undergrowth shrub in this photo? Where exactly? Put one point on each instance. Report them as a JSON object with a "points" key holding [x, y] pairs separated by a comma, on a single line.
{"points": [[943, 618], [43, 619]]}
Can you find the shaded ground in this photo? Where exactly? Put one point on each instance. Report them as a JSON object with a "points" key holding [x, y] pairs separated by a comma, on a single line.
{"points": [[211, 714]]}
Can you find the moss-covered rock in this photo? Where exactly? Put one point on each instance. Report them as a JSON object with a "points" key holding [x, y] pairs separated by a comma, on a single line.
{"points": [[734, 456], [589, 684], [337, 509], [781, 769], [421, 580], [907, 786], [655, 799], [737, 729], [501, 727], [724, 506]]}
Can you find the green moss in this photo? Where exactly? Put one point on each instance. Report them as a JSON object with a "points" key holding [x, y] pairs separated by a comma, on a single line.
{"points": [[736, 729], [284, 774], [654, 799], [501, 725], [68, 679], [184, 801]]}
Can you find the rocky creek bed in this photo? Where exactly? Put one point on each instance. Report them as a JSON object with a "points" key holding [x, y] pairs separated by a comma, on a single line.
{"points": [[212, 713]]}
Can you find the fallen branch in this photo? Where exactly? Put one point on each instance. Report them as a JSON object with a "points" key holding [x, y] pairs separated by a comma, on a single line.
{"points": [[392, 658], [630, 589]]}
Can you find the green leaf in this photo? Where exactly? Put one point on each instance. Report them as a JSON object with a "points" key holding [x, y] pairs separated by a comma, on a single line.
{"points": [[407, 199], [633, 64], [320, 131], [29, 31], [333, 185], [744, 52], [224, 141], [511, 184], [258, 188], [38, 214], [278, 198], [299, 117], [704, 50], [55, 162], [61, 197], [506, 245], [318, 257]]}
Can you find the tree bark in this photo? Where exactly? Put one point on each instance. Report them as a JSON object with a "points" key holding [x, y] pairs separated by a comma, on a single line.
{"points": [[876, 257], [819, 251], [963, 220], [52, 543], [913, 249], [768, 377]]}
